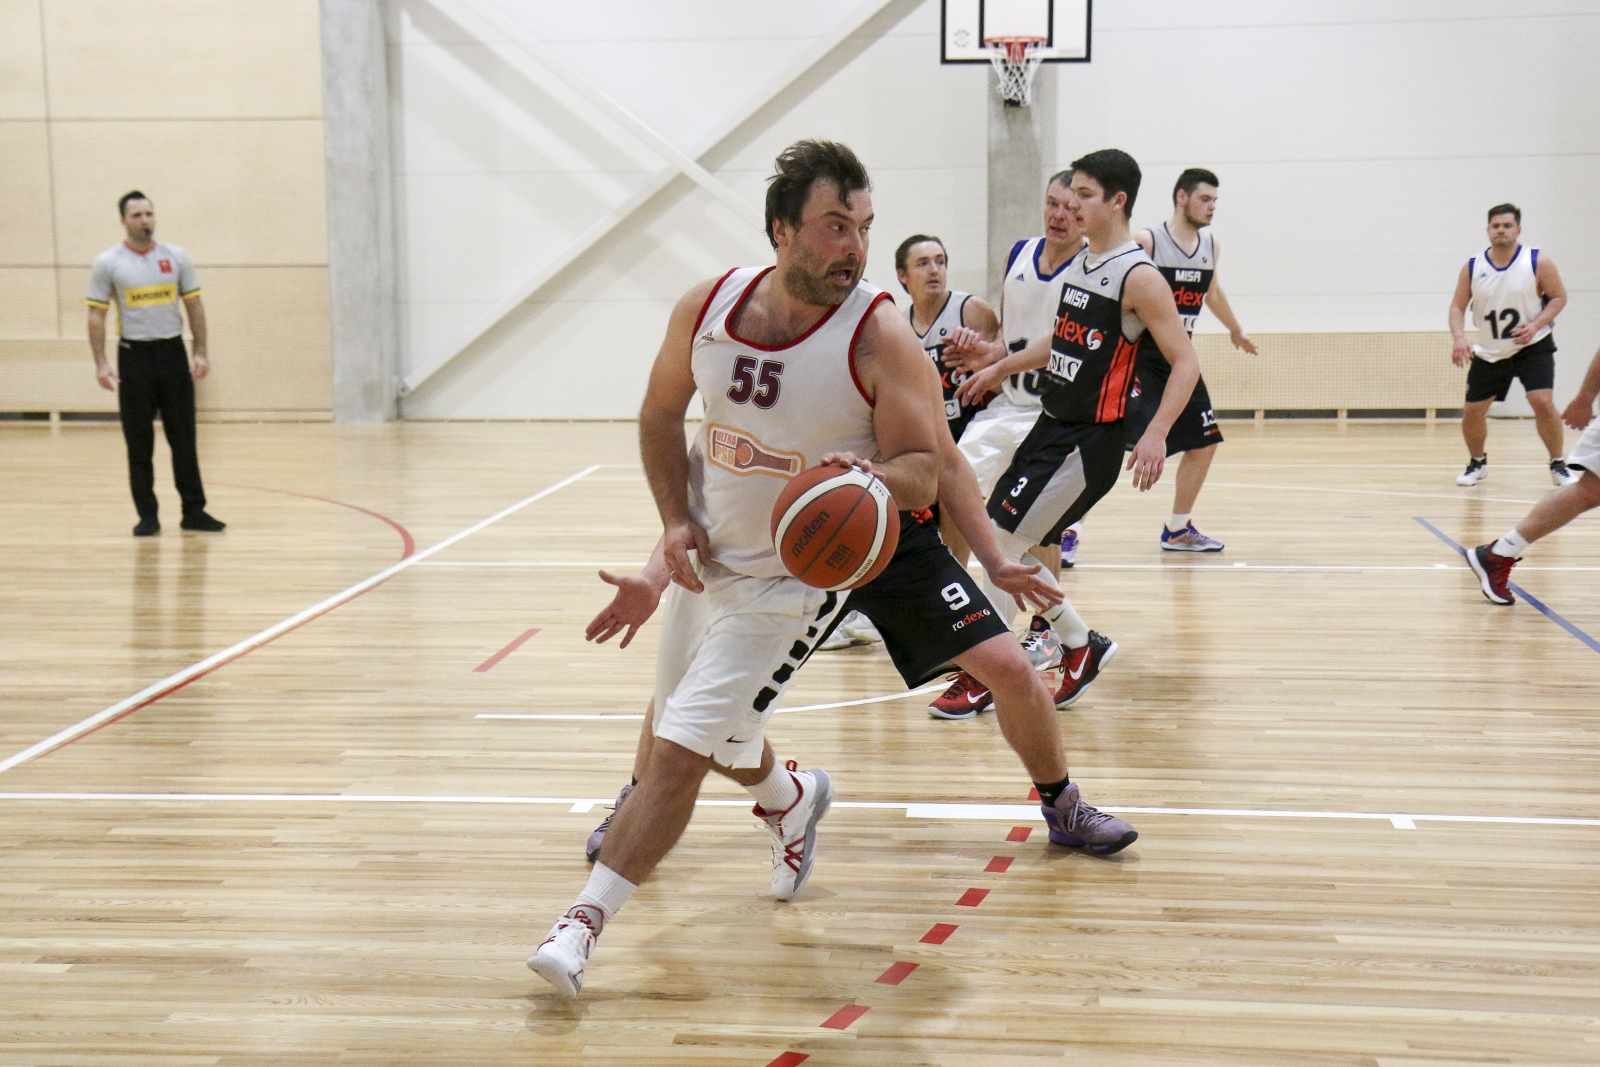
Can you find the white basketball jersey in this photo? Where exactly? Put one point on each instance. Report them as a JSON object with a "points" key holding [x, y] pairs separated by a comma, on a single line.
{"points": [[947, 322], [771, 412], [1188, 275], [1503, 299], [1029, 312]]}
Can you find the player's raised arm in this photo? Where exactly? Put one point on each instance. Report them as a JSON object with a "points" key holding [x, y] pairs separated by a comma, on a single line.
{"points": [[893, 372], [1149, 296], [661, 441]]}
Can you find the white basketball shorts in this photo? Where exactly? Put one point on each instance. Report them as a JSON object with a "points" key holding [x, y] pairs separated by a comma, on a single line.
{"points": [[1586, 453], [727, 654], [992, 437]]}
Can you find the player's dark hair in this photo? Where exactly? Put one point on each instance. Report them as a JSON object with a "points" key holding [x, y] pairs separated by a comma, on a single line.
{"points": [[1506, 209], [1116, 171], [798, 167], [903, 253], [122, 204], [1192, 179]]}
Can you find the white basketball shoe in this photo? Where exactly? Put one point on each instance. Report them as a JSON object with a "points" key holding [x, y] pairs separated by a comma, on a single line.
{"points": [[562, 957], [794, 832]]}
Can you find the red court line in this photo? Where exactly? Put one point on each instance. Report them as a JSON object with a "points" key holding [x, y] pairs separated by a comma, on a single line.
{"points": [[896, 973], [939, 934], [789, 1059], [1033, 794], [407, 542], [972, 898], [845, 1016], [515, 644], [999, 865], [1019, 833]]}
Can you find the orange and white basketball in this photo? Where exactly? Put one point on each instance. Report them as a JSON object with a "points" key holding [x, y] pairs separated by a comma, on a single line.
{"points": [[835, 528]]}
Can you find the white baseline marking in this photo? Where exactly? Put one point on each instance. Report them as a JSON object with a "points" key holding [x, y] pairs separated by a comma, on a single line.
{"points": [[1013, 812], [193, 671], [780, 711]]}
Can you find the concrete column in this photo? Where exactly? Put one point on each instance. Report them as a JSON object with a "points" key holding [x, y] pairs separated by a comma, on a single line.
{"points": [[1022, 154], [361, 246]]}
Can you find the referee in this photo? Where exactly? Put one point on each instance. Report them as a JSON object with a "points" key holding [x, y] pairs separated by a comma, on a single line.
{"points": [[146, 278]]}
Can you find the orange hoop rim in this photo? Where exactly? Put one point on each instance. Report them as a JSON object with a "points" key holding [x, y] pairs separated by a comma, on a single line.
{"points": [[1015, 48]]}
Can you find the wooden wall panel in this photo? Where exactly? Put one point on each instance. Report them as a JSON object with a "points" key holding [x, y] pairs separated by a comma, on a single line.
{"points": [[22, 94], [27, 300], [25, 192], [1332, 370]]}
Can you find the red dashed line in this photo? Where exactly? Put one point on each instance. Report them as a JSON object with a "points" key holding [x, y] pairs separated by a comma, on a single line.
{"points": [[845, 1016], [939, 934], [1033, 794], [999, 865], [789, 1059], [1019, 833], [896, 974], [972, 898]]}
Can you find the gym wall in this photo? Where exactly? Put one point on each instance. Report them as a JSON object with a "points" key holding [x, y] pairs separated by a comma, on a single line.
{"points": [[212, 108]]}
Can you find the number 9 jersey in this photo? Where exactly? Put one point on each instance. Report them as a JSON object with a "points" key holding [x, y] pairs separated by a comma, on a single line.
{"points": [[1503, 299], [771, 411]]}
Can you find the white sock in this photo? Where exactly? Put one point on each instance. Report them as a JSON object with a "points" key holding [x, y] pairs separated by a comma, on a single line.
{"points": [[606, 893], [1064, 622], [777, 793], [1178, 522], [1511, 546]]}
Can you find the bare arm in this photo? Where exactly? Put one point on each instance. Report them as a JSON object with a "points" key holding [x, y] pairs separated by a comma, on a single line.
{"points": [[1217, 301], [634, 601], [1461, 349], [1147, 293], [103, 371], [661, 441], [1555, 294], [988, 380], [197, 326], [976, 343], [1581, 410], [893, 369]]}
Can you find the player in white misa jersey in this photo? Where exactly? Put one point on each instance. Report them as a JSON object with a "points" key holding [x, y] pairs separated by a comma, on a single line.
{"points": [[1515, 293]]}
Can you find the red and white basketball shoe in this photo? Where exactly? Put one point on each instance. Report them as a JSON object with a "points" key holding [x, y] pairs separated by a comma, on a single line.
{"points": [[794, 832], [1494, 573], [1082, 666]]}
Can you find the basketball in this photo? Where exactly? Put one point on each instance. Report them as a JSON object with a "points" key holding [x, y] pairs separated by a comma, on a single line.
{"points": [[835, 528]]}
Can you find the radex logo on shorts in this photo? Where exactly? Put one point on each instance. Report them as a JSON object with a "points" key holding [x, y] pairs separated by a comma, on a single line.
{"points": [[968, 620]]}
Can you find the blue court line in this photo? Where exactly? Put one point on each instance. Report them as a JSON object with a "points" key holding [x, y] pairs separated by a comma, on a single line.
{"points": [[1544, 608]]}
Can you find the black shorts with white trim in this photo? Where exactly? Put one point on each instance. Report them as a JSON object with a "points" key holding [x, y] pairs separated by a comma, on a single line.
{"points": [[1196, 425], [1059, 471]]}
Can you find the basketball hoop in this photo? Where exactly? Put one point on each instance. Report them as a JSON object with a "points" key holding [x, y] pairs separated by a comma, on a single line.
{"points": [[1016, 60]]}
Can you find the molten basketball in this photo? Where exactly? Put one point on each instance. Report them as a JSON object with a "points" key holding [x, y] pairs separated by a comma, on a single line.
{"points": [[835, 528]]}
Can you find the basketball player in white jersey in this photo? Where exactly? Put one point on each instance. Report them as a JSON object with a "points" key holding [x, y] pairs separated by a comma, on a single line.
{"points": [[1112, 294], [1186, 253], [1515, 294], [797, 364], [1492, 563]]}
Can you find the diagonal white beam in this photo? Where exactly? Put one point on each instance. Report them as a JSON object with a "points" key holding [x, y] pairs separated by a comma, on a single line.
{"points": [[783, 78]]}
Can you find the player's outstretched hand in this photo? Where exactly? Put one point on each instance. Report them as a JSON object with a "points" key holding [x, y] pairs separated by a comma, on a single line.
{"points": [[1025, 583], [1579, 413], [635, 601], [846, 460], [1147, 460], [1461, 353], [966, 348], [1242, 340], [678, 541], [972, 391]]}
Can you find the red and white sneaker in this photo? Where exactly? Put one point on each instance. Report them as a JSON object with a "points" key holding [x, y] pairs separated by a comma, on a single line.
{"points": [[1494, 573], [561, 958], [963, 700], [1082, 666], [794, 832]]}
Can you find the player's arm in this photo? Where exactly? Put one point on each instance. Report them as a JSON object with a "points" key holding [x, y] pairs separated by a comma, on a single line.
{"points": [[1555, 298], [1461, 348], [1147, 241], [1147, 293], [1581, 410], [99, 301], [661, 440], [976, 343], [197, 326], [1217, 301], [893, 367], [634, 601], [988, 380]]}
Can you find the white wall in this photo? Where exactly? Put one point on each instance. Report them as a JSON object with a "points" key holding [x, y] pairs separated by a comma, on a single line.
{"points": [[1358, 145]]}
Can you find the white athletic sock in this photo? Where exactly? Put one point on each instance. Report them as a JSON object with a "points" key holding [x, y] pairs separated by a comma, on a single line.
{"points": [[1069, 629], [1511, 546], [606, 893], [777, 793], [1178, 522]]}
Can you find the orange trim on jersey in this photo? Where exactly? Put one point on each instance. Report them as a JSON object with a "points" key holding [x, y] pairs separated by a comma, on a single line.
{"points": [[862, 325], [1113, 403], [698, 319], [733, 313]]}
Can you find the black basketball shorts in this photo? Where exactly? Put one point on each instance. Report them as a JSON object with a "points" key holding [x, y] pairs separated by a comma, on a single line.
{"points": [[927, 607], [1535, 365], [1196, 425], [1059, 471]]}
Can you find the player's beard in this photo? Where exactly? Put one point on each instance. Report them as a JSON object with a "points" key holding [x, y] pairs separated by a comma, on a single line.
{"points": [[1197, 223], [812, 284]]}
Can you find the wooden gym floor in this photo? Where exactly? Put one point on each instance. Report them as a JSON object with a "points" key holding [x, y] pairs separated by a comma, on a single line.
{"points": [[1379, 841]]}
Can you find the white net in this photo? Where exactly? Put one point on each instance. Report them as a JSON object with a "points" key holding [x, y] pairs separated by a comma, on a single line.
{"points": [[1016, 60]]}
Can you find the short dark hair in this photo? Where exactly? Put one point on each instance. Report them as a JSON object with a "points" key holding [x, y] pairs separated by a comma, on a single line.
{"points": [[122, 204], [904, 251], [1192, 179], [798, 167], [1116, 171], [1062, 178], [1506, 209]]}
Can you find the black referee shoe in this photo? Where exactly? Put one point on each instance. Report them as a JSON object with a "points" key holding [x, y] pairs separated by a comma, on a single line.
{"points": [[147, 528], [199, 520]]}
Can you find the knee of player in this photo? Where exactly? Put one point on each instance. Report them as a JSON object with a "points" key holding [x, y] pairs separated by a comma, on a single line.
{"points": [[1589, 487], [1006, 671], [670, 760]]}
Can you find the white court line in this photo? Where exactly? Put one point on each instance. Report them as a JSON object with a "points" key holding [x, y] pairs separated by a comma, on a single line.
{"points": [[780, 711], [1012, 812], [194, 671]]}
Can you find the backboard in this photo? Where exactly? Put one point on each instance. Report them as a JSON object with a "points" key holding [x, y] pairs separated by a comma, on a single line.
{"points": [[1064, 24]]}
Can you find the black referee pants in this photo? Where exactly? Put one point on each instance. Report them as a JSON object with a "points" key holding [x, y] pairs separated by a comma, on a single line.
{"points": [[156, 381]]}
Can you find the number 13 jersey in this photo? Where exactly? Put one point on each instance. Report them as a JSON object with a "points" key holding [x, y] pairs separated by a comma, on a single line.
{"points": [[1502, 299], [772, 411]]}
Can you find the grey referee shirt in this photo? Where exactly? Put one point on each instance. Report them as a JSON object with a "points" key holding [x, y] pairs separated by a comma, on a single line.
{"points": [[146, 286]]}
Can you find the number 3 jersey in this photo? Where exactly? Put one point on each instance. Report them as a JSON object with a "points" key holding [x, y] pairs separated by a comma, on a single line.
{"points": [[1502, 299], [1091, 370], [771, 412]]}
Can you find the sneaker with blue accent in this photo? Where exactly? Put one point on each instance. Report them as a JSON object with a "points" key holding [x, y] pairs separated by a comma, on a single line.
{"points": [[1561, 474], [1188, 539], [1069, 546]]}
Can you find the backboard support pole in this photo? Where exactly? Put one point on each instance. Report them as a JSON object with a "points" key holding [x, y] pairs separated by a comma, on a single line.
{"points": [[1022, 154]]}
